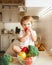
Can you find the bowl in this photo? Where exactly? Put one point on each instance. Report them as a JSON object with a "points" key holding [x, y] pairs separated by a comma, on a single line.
{"points": [[27, 61]]}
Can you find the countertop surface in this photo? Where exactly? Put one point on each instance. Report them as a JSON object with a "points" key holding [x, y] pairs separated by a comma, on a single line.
{"points": [[42, 59]]}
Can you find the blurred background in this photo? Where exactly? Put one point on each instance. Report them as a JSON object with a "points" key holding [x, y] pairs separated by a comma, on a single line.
{"points": [[11, 12]]}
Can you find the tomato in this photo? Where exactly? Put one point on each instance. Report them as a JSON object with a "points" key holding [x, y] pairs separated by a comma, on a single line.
{"points": [[25, 49], [28, 61]]}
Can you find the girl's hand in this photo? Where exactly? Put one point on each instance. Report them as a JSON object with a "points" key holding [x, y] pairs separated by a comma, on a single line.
{"points": [[27, 32], [30, 30]]}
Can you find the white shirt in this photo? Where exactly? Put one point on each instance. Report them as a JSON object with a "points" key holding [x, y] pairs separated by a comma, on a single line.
{"points": [[28, 41]]}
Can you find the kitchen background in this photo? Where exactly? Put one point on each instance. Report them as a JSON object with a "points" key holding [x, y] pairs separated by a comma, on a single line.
{"points": [[10, 16]]}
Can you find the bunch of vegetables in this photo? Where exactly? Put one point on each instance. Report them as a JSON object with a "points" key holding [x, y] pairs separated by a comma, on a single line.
{"points": [[27, 53], [33, 51], [5, 59]]}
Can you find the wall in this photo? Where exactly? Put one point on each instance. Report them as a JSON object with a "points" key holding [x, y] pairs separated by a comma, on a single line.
{"points": [[45, 25], [10, 26], [33, 11]]}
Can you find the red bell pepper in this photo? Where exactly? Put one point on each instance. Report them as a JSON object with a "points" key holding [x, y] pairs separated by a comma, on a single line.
{"points": [[25, 49], [26, 29]]}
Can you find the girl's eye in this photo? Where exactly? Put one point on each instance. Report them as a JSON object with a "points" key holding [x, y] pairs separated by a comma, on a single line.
{"points": [[28, 24]]}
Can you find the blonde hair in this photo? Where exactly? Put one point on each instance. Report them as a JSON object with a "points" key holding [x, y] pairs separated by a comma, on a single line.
{"points": [[26, 18]]}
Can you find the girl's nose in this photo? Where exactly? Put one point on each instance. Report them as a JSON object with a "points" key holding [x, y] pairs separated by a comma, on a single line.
{"points": [[26, 25]]}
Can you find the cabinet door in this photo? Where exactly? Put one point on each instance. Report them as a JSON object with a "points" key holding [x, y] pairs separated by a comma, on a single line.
{"points": [[14, 14], [10, 14], [6, 14], [4, 42]]}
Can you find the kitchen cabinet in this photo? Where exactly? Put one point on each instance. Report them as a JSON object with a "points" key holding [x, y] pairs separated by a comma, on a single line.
{"points": [[10, 14], [4, 42], [14, 14], [5, 14]]}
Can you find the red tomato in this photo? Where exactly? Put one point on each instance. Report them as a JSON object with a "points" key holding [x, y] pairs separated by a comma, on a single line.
{"points": [[26, 28], [25, 49], [28, 61]]}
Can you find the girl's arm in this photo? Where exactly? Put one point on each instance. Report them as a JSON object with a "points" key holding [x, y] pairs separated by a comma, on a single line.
{"points": [[33, 35], [22, 39]]}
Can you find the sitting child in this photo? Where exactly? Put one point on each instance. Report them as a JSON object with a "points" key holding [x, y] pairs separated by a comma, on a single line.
{"points": [[27, 36]]}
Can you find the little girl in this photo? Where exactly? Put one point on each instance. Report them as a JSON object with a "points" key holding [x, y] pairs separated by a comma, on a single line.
{"points": [[27, 36]]}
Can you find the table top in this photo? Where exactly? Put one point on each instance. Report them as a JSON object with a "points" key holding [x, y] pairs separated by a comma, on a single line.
{"points": [[16, 62], [44, 58]]}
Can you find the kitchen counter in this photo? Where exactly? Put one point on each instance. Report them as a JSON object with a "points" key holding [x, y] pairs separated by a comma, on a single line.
{"points": [[44, 58]]}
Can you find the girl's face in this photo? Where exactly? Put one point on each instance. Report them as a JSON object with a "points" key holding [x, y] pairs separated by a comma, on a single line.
{"points": [[26, 24]]}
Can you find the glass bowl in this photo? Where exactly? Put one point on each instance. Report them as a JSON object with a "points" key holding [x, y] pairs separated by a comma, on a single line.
{"points": [[28, 61]]}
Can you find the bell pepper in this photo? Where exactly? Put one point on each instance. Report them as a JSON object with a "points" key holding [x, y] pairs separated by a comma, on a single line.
{"points": [[25, 49], [26, 29]]}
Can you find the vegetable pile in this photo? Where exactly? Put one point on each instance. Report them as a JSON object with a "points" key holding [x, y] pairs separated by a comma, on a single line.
{"points": [[33, 51], [30, 51], [27, 53]]}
